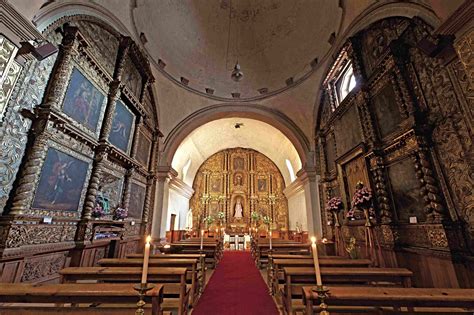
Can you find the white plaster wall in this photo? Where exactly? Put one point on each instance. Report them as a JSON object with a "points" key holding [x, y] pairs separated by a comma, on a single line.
{"points": [[297, 210], [179, 205]]}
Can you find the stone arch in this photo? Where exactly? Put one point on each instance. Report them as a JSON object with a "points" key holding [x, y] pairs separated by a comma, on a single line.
{"points": [[257, 112]]}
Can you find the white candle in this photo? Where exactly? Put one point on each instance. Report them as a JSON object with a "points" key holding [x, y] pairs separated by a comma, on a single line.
{"points": [[146, 257], [202, 237], [316, 261], [270, 240]]}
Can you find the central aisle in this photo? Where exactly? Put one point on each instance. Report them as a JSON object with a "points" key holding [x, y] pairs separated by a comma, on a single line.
{"points": [[236, 288]]}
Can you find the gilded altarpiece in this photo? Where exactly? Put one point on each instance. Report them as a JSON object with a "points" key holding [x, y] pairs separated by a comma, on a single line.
{"points": [[239, 182]]}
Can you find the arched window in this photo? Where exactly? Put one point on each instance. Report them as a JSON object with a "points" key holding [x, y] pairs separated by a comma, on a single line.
{"points": [[185, 170], [346, 83], [290, 170]]}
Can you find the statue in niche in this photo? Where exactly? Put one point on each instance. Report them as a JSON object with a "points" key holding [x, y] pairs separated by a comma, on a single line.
{"points": [[238, 209]]}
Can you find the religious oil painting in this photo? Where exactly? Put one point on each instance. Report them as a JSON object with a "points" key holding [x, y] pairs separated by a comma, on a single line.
{"points": [[83, 101], [143, 151], [121, 127], [238, 163], [262, 184], [216, 184], [137, 200], [61, 182], [406, 191]]}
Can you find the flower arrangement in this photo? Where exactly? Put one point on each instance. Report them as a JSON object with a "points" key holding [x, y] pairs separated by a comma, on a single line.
{"points": [[255, 216], [266, 220], [120, 213], [334, 204], [362, 200], [97, 212], [208, 220], [220, 216]]}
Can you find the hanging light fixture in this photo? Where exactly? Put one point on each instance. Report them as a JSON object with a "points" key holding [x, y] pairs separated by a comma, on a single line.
{"points": [[237, 73]]}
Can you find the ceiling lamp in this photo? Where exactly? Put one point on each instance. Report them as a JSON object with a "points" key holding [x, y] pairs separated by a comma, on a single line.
{"points": [[236, 74]]}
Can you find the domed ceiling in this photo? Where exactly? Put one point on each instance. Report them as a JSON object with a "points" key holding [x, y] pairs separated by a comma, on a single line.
{"points": [[196, 43]]}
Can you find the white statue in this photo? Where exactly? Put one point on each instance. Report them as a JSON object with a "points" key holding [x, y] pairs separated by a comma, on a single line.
{"points": [[238, 209]]}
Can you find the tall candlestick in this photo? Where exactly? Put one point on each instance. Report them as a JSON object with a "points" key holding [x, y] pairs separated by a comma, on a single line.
{"points": [[316, 261], [270, 240], [146, 257], [202, 238]]}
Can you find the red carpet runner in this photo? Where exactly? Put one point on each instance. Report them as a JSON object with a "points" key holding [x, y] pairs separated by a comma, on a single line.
{"points": [[236, 288]]}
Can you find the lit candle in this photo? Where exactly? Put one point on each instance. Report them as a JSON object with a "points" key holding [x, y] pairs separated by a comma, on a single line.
{"points": [[270, 240], [146, 257], [316, 261], [202, 237]]}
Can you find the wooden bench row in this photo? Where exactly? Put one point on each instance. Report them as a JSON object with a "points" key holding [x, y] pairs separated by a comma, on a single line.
{"points": [[90, 298], [394, 299]]}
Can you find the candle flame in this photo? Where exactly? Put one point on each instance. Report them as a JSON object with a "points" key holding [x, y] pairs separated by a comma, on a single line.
{"points": [[148, 239], [313, 240]]}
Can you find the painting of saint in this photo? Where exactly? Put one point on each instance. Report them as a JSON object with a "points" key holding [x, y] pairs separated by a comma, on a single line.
{"points": [[238, 181], [143, 151], [61, 182], [238, 163], [262, 184], [83, 101], [137, 201], [121, 127], [215, 184]]}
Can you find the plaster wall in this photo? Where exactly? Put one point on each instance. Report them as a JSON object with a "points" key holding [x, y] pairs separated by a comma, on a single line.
{"points": [[179, 205], [297, 210]]}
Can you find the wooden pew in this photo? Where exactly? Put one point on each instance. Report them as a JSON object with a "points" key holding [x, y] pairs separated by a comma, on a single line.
{"points": [[395, 298], [45, 297], [200, 257], [190, 264], [275, 272], [211, 250], [176, 293], [261, 254], [297, 277]]}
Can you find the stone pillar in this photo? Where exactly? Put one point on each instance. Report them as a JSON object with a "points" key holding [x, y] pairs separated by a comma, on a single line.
{"points": [[310, 180], [55, 89], [160, 211]]}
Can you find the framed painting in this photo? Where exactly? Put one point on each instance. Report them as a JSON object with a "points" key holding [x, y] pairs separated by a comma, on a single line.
{"points": [[137, 200], [112, 189], [238, 163], [262, 184], [405, 189], [122, 127], [61, 182], [143, 150], [83, 101], [386, 111], [216, 184]]}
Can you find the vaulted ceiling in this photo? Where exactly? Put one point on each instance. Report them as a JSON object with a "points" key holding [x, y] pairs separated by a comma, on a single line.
{"points": [[276, 42]]}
